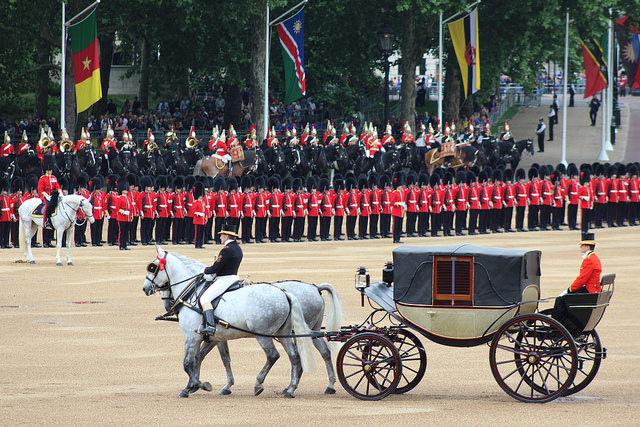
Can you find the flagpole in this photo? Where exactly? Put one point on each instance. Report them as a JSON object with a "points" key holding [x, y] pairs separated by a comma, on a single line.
{"points": [[609, 147], [266, 74], [563, 150], [63, 68]]}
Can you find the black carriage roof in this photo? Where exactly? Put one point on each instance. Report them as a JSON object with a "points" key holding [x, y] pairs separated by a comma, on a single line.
{"points": [[500, 274]]}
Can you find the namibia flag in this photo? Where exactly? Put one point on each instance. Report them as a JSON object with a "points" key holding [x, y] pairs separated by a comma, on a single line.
{"points": [[86, 65], [291, 33], [464, 35], [595, 66]]}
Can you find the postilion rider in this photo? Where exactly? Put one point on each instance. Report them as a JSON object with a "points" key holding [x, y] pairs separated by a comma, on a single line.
{"points": [[226, 268], [588, 281], [48, 188]]}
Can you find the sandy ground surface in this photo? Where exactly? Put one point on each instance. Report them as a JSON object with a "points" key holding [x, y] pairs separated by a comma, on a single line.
{"points": [[79, 345]]}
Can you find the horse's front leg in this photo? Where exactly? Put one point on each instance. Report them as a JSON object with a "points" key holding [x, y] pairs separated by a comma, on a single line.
{"points": [[70, 233], [223, 349], [205, 348], [190, 363], [59, 232], [28, 235]]}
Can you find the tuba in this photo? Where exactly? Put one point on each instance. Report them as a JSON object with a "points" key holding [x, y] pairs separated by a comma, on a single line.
{"points": [[191, 142], [151, 146], [45, 144], [66, 146]]}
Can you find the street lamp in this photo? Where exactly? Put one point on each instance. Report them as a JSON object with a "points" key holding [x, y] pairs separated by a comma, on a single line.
{"points": [[386, 36]]}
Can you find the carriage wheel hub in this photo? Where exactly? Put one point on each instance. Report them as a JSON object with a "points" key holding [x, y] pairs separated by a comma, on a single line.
{"points": [[533, 358], [367, 367]]}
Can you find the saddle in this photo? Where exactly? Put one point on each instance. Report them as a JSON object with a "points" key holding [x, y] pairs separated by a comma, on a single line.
{"points": [[234, 287], [38, 211], [220, 162]]}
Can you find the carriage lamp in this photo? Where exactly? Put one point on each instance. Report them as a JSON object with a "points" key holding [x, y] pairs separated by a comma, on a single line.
{"points": [[362, 279], [387, 273]]}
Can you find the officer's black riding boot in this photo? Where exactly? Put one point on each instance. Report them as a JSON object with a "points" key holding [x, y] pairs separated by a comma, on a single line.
{"points": [[210, 327], [47, 217]]}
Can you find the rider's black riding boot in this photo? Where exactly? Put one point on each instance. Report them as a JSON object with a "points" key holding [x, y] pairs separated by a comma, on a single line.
{"points": [[210, 327], [47, 217]]}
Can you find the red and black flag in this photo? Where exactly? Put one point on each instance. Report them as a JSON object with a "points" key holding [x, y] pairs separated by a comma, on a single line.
{"points": [[595, 66]]}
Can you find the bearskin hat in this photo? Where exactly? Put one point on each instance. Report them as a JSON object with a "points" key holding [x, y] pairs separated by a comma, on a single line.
{"points": [[362, 182], [17, 184], [261, 182], [189, 180], [572, 170], [460, 177], [471, 177], [274, 183], [508, 175], [399, 180], [287, 183], [385, 181], [145, 182], [48, 162], [246, 182], [323, 185], [533, 173], [520, 174], [198, 190], [374, 180], [219, 183], [81, 182], [123, 185], [350, 183], [4, 184], [423, 179], [297, 184], [312, 183], [32, 183], [178, 182], [482, 177], [561, 168], [232, 184], [585, 177], [161, 181]]}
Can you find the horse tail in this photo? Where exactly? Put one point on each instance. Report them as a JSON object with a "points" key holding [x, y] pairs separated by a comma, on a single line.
{"points": [[300, 327], [334, 313], [197, 169], [334, 307]]}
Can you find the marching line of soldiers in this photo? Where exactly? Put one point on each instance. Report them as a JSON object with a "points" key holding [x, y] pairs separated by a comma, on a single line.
{"points": [[192, 210]]}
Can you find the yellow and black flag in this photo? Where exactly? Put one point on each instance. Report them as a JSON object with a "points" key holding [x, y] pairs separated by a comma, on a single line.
{"points": [[464, 35], [595, 66]]}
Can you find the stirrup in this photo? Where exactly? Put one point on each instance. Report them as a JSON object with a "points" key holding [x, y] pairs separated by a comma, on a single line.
{"points": [[208, 330]]}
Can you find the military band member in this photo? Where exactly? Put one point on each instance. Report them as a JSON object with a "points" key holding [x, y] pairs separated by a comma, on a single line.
{"points": [[49, 189], [124, 213]]}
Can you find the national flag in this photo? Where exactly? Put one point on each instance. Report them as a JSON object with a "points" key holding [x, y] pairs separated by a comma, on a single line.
{"points": [[595, 66], [464, 35], [630, 50], [86, 63], [291, 33]]}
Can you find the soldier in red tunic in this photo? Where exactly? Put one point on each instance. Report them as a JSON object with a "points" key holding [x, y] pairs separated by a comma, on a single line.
{"points": [[48, 188]]}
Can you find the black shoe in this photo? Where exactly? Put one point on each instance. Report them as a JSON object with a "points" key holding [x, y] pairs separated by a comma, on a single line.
{"points": [[125, 249], [210, 324], [398, 241], [133, 244]]}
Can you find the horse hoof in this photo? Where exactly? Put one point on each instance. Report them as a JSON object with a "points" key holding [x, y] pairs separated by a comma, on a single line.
{"points": [[69, 263], [225, 392], [288, 395], [183, 394], [59, 263], [206, 386], [258, 390], [330, 390], [32, 262]]}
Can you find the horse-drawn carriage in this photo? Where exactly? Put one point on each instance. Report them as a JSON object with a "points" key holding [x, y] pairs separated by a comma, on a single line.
{"points": [[465, 296]]}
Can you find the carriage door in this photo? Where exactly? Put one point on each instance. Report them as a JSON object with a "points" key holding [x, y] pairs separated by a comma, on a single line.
{"points": [[452, 280]]}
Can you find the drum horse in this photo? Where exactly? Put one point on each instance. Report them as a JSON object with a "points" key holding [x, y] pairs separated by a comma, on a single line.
{"points": [[64, 219]]}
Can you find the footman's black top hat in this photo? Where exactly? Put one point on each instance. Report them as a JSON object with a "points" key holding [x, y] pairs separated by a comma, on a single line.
{"points": [[588, 239]]}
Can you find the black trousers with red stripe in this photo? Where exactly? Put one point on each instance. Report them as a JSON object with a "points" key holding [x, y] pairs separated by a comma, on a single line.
{"points": [[123, 236]]}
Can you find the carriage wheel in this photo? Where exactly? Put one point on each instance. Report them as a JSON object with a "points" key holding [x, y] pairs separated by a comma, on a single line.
{"points": [[369, 366], [414, 360], [590, 356], [533, 358]]}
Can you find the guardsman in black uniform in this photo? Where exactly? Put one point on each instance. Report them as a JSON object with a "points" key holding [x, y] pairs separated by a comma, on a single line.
{"points": [[225, 268]]}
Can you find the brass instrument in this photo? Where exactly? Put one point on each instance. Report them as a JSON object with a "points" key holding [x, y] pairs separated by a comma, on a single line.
{"points": [[191, 142], [45, 144], [151, 146], [66, 146]]}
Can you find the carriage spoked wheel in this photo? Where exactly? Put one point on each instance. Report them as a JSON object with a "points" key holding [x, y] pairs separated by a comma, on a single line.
{"points": [[414, 360], [590, 355], [369, 366], [533, 358]]}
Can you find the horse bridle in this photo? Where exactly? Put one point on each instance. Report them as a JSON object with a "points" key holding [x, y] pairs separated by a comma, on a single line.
{"points": [[153, 268]]}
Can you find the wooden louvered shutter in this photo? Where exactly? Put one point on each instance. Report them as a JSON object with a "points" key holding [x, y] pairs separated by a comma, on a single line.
{"points": [[453, 280]]}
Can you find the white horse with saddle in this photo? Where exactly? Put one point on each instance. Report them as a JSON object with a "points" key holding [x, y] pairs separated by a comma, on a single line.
{"points": [[63, 219], [262, 310]]}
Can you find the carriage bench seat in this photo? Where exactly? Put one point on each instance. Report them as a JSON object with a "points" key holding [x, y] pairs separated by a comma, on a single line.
{"points": [[586, 310]]}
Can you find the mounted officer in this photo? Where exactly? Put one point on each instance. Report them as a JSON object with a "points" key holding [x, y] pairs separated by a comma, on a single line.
{"points": [[48, 188], [226, 268]]}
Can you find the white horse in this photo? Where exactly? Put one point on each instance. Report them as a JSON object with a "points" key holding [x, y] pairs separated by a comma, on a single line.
{"points": [[64, 220], [261, 311], [313, 308]]}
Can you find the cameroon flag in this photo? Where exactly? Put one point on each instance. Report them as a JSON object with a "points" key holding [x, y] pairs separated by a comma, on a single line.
{"points": [[464, 35], [86, 64]]}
